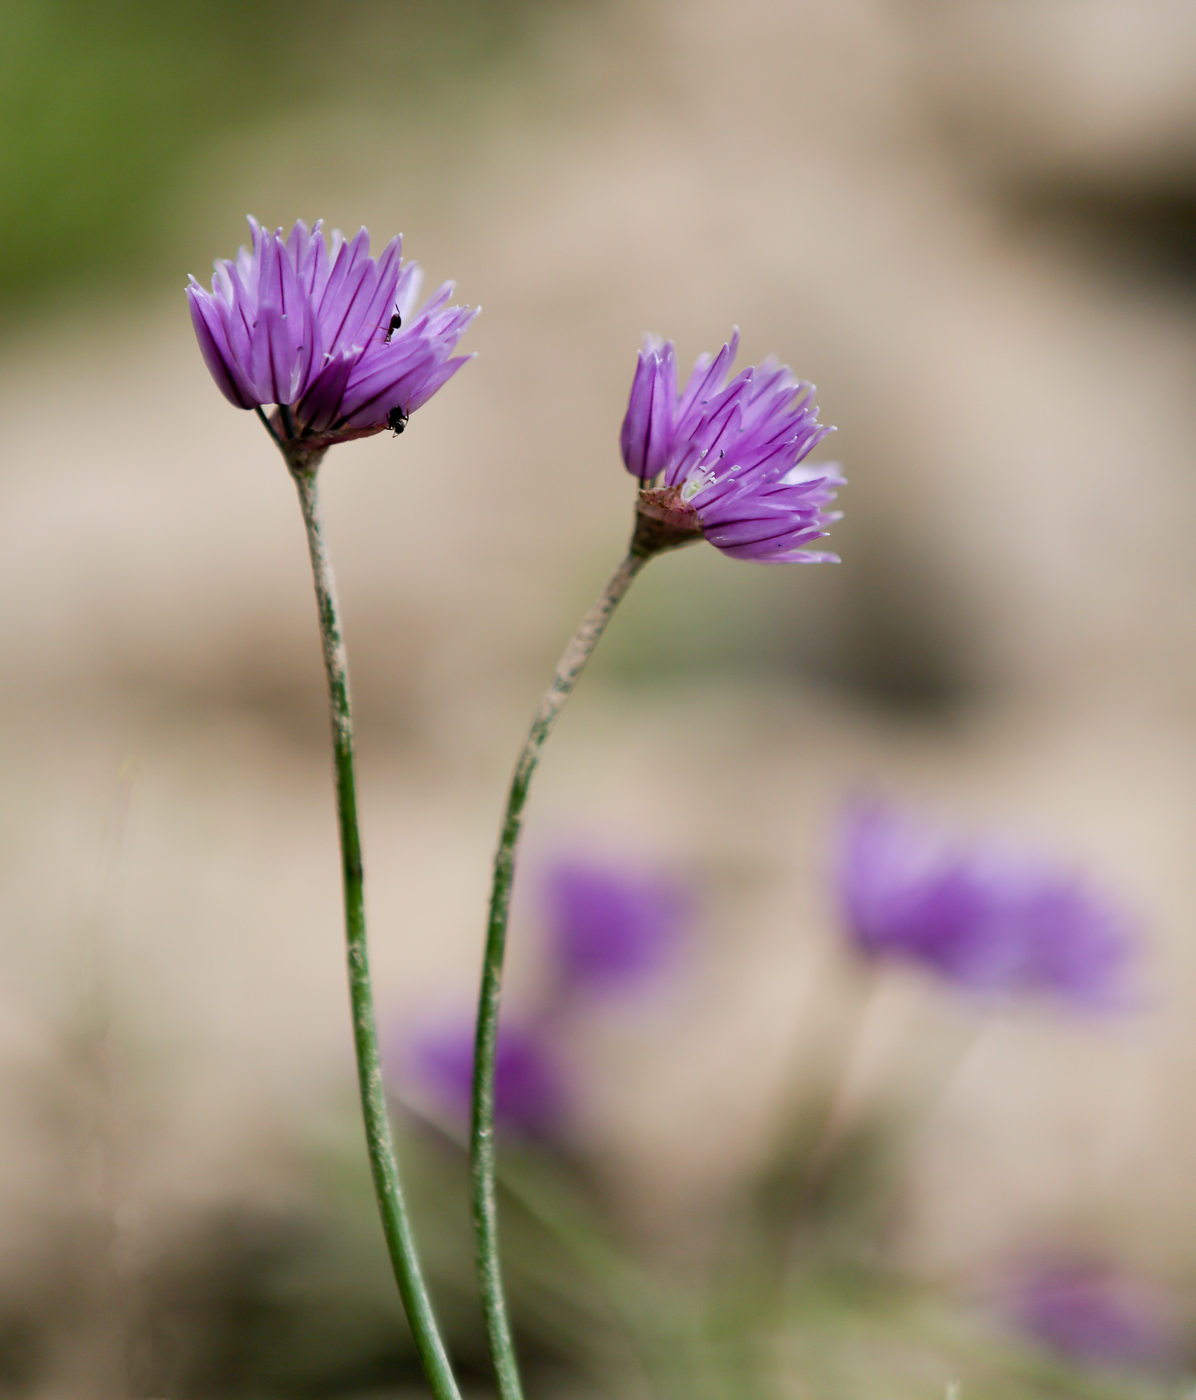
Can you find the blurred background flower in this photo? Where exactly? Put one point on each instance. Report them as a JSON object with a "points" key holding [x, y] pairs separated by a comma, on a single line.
{"points": [[610, 927], [985, 915], [1092, 1313], [529, 1093]]}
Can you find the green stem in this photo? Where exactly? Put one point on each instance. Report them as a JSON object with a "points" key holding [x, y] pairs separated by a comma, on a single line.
{"points": [[482, 1145], [395, 1223]]}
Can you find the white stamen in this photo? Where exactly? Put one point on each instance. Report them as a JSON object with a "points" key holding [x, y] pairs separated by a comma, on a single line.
{"points": [[694, 483]]}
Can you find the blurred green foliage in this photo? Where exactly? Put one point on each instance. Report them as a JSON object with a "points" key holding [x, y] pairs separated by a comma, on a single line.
{"points": [[784, 1286], [791, 1299], [105, 106]]}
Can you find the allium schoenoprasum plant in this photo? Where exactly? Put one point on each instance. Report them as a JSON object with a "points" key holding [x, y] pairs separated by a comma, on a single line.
{"points": [[336, 342], [722, 460], [990, 920]]}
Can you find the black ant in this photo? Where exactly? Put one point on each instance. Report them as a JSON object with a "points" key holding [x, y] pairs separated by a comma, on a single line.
{"points": [[396, 419], [395, 322]]}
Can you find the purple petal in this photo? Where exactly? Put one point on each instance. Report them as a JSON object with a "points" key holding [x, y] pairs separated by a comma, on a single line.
{"points": [[343, 281], [381, 378], [434, 381], [704, 382], [298, 241], [646, 436], [320, 406], [318, 267], [411, 279], [376, 317], [213, 346]]}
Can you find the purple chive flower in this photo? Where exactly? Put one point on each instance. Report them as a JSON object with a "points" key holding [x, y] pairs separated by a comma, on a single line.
{"points": [[610, 927], [731, 455], [984, 916], [327, 333], [1089, 1313], [529, 1091]]}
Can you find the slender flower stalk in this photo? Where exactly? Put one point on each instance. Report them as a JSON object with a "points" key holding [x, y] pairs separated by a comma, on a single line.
{"points": [[396, 1225], [482, 1143], [731, 458], [337, 343]]}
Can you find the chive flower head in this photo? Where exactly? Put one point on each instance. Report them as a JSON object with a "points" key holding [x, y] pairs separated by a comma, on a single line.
{"points": [[332, 336], [725, 459]]}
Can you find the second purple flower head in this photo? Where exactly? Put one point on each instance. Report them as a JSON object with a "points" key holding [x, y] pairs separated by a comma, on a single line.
{"points": [[729, 457]]}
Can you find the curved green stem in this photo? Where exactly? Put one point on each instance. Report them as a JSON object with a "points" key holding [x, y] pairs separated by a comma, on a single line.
{"points": [[395, 1223], [482, 1145]]}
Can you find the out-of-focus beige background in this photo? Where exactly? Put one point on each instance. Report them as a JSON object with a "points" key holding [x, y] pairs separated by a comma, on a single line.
{"points": [[972, 224]]}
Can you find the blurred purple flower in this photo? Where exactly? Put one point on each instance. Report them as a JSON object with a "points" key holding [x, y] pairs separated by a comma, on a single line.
{"points": [[731, 455], [529, 1090], [330, 334], [611, 927], [984, 916], [1089, 1313]]}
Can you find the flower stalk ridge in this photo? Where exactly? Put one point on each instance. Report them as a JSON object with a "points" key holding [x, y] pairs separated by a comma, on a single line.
{"points": [[983, 915], [731, 456], [332, 338], [327, 333]]}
